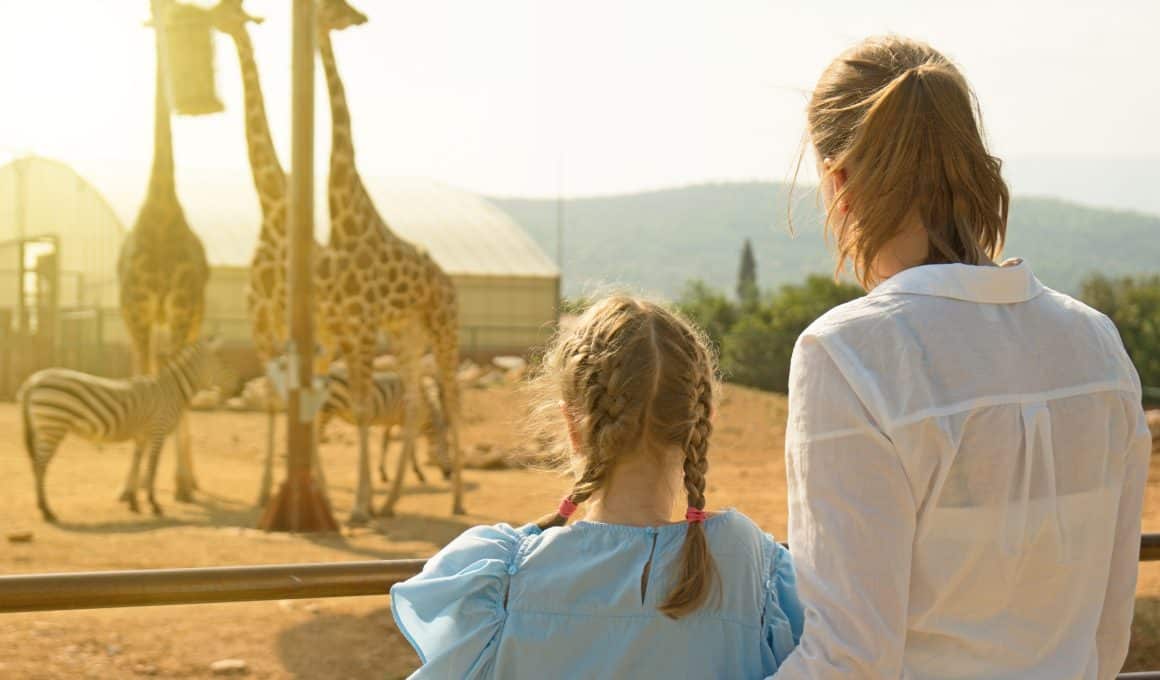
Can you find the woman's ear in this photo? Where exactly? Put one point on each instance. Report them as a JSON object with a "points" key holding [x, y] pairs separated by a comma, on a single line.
{"points": [[837, 180], [573, 430]]}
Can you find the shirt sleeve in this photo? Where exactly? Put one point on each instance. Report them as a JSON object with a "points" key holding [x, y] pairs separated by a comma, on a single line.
{"points": [[782, 616], [1115, 625], [852, 519], [452, 611]]}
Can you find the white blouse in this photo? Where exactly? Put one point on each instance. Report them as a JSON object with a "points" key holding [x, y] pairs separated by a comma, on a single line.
{"points": [[966, 456]]}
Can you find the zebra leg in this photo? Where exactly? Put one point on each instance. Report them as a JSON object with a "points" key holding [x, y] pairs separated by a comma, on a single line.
{"points": [[45, 450], [411, 377], [155, 445], [129, 493]]}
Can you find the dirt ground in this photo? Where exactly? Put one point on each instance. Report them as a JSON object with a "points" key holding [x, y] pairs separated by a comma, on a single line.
{"points": [[331, 638]]}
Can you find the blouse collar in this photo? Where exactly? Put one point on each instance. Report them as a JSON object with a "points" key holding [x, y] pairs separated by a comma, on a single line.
{"points": [[1010, 282]]}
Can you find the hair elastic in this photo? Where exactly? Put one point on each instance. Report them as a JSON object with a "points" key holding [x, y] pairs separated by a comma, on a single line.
{"points": [[695, 515], [567, 507]]}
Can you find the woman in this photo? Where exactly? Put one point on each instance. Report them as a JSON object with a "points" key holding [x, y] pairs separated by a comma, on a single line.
{"points": [[966, 449]]}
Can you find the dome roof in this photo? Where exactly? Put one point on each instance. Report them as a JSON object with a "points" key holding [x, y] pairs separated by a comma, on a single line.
{"points": [[465, 233], [44, 197]]}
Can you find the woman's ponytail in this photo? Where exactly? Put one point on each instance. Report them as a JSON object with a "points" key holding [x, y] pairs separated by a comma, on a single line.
{"points": [[899, 120]]}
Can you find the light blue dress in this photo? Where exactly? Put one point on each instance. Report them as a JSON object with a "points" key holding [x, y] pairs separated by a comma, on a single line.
{"points": [[577, 602]]}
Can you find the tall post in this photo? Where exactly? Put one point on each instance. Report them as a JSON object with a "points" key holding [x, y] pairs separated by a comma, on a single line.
{"points": [[300, 505]]}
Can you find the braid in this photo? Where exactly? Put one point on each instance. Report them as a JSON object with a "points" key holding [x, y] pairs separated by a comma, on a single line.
{"points": [[698, 572], [601, 385]]}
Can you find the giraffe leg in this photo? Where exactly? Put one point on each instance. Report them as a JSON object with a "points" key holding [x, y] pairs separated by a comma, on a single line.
{"points": [[185, 326], [447, 360], [141, 335], [315, 458], [267, 482], [360, 367], [360, 515], [418, 469], [186, 482], [383, 454]]}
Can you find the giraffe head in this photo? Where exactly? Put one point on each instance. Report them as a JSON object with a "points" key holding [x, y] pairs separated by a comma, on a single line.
{"points": [[336, 15], [228, 17]]}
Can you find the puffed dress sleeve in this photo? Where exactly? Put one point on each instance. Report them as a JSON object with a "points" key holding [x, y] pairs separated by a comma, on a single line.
{"points": [[453, 611], [783, 616]]}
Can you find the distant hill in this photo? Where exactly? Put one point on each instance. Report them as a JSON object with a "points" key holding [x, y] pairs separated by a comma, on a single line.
{"points": [[658, 240]]}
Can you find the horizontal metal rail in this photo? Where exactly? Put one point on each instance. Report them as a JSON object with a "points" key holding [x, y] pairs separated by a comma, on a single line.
{"points": [[151, 587]]}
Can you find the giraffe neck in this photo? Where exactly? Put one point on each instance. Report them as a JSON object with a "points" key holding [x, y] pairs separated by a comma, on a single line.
{"points": [[345, 188], [341, 142], [161, 181], [269, 177]]}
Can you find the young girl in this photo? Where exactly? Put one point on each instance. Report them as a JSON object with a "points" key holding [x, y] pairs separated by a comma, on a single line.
{"points": [[625, 592]]}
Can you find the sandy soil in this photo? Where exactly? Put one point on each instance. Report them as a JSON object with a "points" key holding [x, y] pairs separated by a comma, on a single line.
{"points": [[332, 638]]}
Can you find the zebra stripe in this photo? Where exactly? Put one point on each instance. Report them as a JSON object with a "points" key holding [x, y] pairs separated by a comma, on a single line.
{"points": [[387, 410], [57, 402]]}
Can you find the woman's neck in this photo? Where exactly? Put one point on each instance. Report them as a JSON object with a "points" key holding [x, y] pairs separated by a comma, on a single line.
{"points": [[910, 247], [640, 491]]}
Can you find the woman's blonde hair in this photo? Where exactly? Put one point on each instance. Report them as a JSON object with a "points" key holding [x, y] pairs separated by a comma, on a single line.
{"points": [[899, 118], [636, 377]]}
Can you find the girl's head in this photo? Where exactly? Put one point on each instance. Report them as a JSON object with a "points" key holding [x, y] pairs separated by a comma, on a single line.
{"points": [[897, 133], [634, 379]]}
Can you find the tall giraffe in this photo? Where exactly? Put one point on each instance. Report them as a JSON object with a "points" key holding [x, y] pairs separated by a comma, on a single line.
{"points": [[162, 268], [267, 296], [384, 284]]}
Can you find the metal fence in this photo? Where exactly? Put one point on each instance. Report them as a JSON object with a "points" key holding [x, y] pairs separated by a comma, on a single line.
{"points": [[141, 588]]}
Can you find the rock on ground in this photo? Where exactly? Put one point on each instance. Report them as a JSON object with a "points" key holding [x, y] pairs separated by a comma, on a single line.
{"points": [[229, 667]]}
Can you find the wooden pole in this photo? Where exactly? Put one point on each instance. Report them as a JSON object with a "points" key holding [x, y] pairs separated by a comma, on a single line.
{"points": [[300, 505]]}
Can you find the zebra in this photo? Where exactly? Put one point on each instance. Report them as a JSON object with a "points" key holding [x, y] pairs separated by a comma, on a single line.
{"points": [[387, 410], [145, 409]]}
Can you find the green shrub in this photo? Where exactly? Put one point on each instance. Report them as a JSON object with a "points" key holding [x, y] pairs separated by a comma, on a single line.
{"points": [[1133, 304], [755, 339], [757, 349], [709, 309]]}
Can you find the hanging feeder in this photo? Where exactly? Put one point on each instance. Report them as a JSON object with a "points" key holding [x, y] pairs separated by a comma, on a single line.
{"points": [[189, 61]]}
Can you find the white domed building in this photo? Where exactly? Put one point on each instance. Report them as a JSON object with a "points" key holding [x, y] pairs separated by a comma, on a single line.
{"points": [[59, 241]]}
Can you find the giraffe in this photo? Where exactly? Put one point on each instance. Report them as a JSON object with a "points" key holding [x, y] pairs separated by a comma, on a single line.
{"points": [[384, 284], [267, 294], [162, 269]]}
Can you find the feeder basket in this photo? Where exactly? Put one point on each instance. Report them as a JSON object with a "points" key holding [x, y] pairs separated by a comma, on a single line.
{"points": [[189, 61]]}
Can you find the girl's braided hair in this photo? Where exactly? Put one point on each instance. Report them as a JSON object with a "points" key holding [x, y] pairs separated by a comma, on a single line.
{"points": [[635, 376]]}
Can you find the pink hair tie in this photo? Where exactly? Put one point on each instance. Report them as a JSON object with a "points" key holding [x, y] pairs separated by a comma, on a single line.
{"points": [[567, 507], [694, 515]]}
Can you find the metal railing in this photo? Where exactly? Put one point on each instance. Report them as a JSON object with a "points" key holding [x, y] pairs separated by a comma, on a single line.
{"points": [[150, 587]]}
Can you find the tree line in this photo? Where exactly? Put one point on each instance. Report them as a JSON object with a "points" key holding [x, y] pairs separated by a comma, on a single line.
{"points": [[754, 330]]}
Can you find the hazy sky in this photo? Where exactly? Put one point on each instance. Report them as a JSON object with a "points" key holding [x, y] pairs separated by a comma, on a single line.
{"points": [[510, 96]]}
